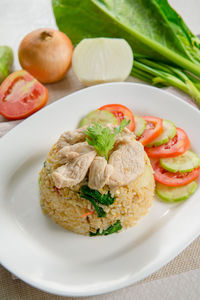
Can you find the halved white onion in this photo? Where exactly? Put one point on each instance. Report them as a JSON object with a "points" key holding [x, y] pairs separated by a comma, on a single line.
{"points": [[102, 60]]}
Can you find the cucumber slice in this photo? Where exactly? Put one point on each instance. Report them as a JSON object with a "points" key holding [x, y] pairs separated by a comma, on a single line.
{"points": [[186, 162], [175, 194], [169, 131], [102, 117], [140, 125]]}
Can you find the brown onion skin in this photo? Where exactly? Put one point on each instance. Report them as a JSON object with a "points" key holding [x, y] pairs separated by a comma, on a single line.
{"points": [[46, 54]]}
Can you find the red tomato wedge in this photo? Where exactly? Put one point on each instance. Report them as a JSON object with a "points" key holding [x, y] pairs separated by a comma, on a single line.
{"points": [[21, 95], [121, 112], [174, 179], [176, 146], [153, 129]]}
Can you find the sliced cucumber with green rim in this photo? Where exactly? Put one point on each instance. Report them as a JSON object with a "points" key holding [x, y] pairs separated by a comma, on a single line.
{"points": [[102, 117], [169, 131], [140, 125], [186, 162], [175, 194]]}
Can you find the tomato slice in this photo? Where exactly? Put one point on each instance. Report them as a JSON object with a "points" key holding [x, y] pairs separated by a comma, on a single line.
{"points": [[21, 95], [121, 112], [174, 179], [153, 129], [176, 146]]}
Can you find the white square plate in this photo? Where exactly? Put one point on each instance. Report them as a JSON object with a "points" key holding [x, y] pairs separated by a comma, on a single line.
{"points": [[58, 261]]}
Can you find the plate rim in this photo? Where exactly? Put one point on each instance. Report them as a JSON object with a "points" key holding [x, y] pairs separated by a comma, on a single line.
{"points": [[151, 269], [143, 85]]}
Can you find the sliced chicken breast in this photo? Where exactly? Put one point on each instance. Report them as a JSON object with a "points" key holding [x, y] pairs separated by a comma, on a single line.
{"points": [[71, 137], [127, 162], [99, 173], [74, 171]]}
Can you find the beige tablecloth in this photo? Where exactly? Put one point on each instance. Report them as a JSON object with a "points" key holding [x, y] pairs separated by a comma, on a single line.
{"points": [[12, 289]]}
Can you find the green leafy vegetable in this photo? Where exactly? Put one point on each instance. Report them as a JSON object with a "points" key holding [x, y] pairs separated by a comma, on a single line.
{"points": [[103, 139], [152, 28], [100, 212], [105, 199], [95, 197], [111, 229]]}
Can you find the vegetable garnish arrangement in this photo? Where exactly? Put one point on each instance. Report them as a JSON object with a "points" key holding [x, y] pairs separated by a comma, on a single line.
{"points": [[150, 42], [166, 53], [175, 166]]}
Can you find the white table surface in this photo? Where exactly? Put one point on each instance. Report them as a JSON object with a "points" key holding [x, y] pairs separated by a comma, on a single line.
{"points": [[17, 18]]}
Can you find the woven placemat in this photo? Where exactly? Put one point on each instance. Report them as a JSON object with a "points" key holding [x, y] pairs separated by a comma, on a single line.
{"points": [[11, 289]]}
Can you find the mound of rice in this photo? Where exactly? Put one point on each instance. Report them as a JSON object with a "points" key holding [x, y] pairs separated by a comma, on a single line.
{"points": [[64, 206]]}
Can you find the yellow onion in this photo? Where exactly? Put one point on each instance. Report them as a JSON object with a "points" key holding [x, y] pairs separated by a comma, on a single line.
{"points": [[46, 54]]}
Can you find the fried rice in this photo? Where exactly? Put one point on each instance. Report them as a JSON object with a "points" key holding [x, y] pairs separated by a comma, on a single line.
{"points": [[66, 208]]}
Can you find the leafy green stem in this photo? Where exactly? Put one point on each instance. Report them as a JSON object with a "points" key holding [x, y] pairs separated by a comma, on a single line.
{"points": [[168, 76]]}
